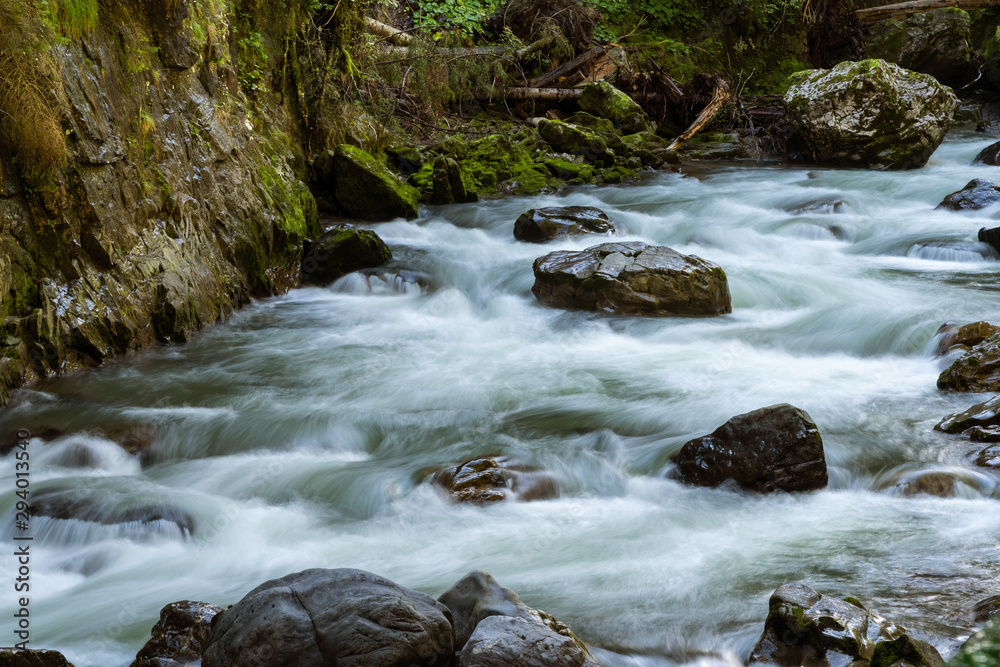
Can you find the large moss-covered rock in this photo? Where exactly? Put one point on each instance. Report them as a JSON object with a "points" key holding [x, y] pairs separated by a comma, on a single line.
{"points": [[604, 100], [341, 251], [934, 42], [869, 114], [978, 370], [319, 617], [777, 448], [544, 224], [632, 278], [804, 627], [449, 184], [575, 140], [982, 649], [367, 190]]}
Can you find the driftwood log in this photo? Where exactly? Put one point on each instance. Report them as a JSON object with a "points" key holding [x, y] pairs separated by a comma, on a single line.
{"points": [[404, 53], [721, 96], [903, 9]]}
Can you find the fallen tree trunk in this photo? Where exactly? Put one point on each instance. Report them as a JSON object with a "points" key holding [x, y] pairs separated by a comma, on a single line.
{"points": [[547, 78], [903, 9], [403, 53], [543, 94], [720, 97], [387, 31]]}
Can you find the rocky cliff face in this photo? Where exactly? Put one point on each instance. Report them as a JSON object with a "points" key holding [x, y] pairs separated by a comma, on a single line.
{"points": [[178, 203]]}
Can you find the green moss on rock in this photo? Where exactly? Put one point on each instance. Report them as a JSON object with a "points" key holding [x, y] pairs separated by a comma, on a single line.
{"points": [[367, 190], [604, 100]]}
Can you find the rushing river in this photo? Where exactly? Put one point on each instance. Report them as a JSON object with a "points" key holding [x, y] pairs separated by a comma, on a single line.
{"points": [[300, 433]]}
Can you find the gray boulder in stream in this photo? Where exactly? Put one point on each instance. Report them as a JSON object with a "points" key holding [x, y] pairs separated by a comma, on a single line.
{"points": [[341, 251], [179, 636], [934, 42], [632, 278], [978, 370], [324, 617], [806, 628], [777, 448], [544, 224], [493, 627], [869, 114], [977, 193]]}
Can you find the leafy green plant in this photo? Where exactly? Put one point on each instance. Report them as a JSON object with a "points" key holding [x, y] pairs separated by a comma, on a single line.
{"points": [[462, 16]]}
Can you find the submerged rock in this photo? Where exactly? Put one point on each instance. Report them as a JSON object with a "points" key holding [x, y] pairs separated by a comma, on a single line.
{"points": [[940, 484], [493, 479], [950, 335], [478, 597], [777, 448], [632, 278], [544, 224], [179, 636], [977, 193], [989, 457], [367, 190], [980, 414], [978, 370], [319, 617], [341, 251], [99, 506], [934, 42], [804, 627], [869, 114], [604, 100]]}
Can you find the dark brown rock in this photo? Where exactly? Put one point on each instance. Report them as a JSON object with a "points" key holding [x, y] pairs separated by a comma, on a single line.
{"points": [[940, 484], [544, 224], [318, 617], [989, 457], [179, 637], [40, 658], [493, 479], [977, 193], [341, 251], [806, 628], [984, 433], [970, 335], [632, 279], [990, 237], [989, 155], [987, 609], [504, 641], [980, 414], [777, 448], [978, 370]]}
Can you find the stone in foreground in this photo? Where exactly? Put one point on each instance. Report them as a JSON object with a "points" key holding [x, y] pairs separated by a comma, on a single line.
{"points": [[32, 658], [977, 193], [544, 224], [806, 628], [323, 617], [178, 638], [632, 278], [978, 370], [777, 448], [504, 641], [478, 596], [341, 251], [869, 114]]}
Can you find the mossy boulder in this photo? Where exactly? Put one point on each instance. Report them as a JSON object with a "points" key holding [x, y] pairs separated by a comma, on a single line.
{"points": [[449, 183], [777, 448], [869, 114], [341, 251], [604, 100], [804, 627], [575, 140], [632, 278], [935, 43], [367, 190], [991, 57], [982, 649], [574, 173], [978, 370], [505, 164]]}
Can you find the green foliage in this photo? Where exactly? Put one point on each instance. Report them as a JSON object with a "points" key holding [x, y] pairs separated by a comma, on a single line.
{"points": [[462, 16], [70, 18]]}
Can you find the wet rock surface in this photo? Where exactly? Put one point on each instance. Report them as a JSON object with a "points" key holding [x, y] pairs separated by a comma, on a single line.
{"points": [[632, 279], [478, 596], [341, 251], [977, 193], [968, 335], [984, 414], [804, 627], [978, 370], [989, 457], [178, 638], [869, 114], [365, 189], [544, 224], [97, 504], [321, 617], [777, 448], [989, 155], [32, 658], [605, 101], [494, 479], [504, 641]]}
